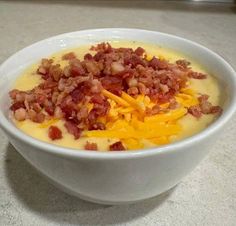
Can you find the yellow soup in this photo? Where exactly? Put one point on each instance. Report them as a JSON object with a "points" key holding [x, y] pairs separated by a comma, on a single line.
{"points": [[189, 124]]}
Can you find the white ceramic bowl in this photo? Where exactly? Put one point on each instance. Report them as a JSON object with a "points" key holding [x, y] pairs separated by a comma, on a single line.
{"points": [[117, 177]]}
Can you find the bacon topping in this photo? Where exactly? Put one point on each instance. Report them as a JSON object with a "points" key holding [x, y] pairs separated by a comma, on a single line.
{"points": [[69, 56], [54, 133], [91, 146], [73, 129], [20, 114], [117, 146], [204, 107]]}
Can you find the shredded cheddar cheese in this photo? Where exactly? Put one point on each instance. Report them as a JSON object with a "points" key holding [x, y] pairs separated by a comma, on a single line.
{"points": [[126, 119], [115, 98], [133, 102]]}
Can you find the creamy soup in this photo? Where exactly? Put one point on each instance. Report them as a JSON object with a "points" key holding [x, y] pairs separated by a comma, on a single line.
{"points": [[188, 124]]}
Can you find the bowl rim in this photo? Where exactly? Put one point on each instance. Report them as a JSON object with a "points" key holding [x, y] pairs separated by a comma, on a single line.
{"points": [[8, 127]]}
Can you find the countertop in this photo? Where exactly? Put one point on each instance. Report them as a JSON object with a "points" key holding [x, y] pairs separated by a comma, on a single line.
{"points": [[207, 196]]}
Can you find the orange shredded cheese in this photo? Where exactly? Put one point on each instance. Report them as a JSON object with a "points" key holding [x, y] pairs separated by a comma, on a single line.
{"points": [[127, 121], [133, 102], [115, 98]]}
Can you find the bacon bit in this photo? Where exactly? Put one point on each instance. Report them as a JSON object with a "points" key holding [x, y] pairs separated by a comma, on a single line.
{"points": [[164, 88], [142, 88], [96, 86], [20, 114], [76, 68], [112, 84], [102, 47], [54, 133], [216, 110], [42, 70], [98, 99], [49, 107], [36, 107], [88, 56], [195, 111], [116, 68], [207, 107], [46, 62], [55, 72], [13, 93], [69, 56], [204, 107], [183, 63], [91, 146], [158, 64], [204, 104], [203, 98], [58, 112], [139, 51], [16, 106], [197, 75], [20, 97], [66, 71], [92, 67], [39, 118], [73, 129], [132, 82], [117, 146], [83, 113], [132, 91]]}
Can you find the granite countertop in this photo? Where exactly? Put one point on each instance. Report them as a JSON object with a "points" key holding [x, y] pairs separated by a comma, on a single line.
{"points": [[207, 196]]}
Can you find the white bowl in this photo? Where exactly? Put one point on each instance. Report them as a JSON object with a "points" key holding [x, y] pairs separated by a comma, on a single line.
{"points": [[117, 177]]}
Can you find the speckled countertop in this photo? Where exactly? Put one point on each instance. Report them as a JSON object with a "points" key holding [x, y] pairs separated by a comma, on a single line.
{"points": [[207, 196]]}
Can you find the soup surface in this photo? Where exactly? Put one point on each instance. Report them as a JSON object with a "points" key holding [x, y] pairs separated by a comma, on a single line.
{"points": [[132, 99]]}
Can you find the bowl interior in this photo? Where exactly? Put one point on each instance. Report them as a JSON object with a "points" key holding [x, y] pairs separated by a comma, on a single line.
{"points": [[212, 62]]}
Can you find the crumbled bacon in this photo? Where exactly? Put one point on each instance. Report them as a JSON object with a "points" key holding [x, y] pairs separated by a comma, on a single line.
{"points": [[20, 114], [74, 93], [132, 82], [36, 117], [73, 129], [139, 51], [17, 105], [117, 146], [204, 107], [132, 91], [195, 111], [116, 67], [13, 93], [36, 107], [197, 75], [183, 63], [69, 56], [42, 70], [54, 133], [216, 110], [207, 107], [158, 64], [91, 146]]}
